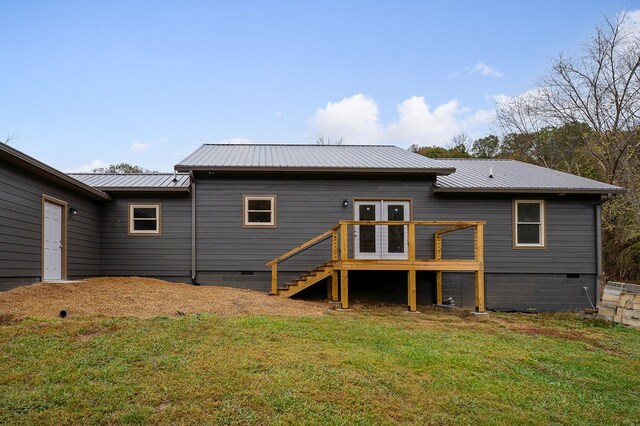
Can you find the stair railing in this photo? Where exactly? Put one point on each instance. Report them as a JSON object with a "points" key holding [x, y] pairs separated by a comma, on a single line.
{"points": [[333, 233]]}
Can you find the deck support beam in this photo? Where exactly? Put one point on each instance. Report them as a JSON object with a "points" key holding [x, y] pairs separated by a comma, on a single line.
{"points": [[412, 290], [344, 288], [334, 285], [479, 274], [439, 288], [274, 279]]}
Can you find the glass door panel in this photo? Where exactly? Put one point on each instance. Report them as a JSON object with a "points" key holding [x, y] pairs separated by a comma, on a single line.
{"points": [[395, 236], [367, 237]]}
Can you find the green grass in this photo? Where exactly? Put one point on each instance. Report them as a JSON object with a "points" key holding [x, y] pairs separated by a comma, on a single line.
{"points": [[376, 367]]}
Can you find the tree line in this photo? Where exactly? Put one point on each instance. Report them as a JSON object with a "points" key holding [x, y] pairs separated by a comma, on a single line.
{"points": [[581, 117]]}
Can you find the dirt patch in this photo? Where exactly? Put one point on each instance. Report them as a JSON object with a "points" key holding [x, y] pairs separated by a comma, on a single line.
{"points": [[559, 334], [143, 298]]}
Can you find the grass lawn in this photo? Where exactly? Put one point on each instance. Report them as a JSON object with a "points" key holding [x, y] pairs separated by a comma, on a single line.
{"points": [[373, 366]]}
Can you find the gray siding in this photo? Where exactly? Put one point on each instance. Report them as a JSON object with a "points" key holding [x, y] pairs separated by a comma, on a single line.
{"points": [[167, 255], [307, 207], [21, 228]]}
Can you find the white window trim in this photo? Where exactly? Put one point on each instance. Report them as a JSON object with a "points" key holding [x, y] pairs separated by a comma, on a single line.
{"points": [[158, 219], [246, 211], [542, 223]]}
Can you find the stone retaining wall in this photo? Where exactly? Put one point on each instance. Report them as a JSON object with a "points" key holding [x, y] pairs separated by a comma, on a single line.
{"points": [[620, 303]]}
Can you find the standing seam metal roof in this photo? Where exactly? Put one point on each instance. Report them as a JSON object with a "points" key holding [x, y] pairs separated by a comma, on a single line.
{"points": [[312, 157], [472, 175], [134, 181]]}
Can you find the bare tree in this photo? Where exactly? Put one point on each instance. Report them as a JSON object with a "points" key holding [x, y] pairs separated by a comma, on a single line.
{"points": [[600, 87], [8, 138], [322, 141]]}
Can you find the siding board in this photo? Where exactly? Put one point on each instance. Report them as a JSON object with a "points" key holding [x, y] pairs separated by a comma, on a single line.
{"points": [[167, 255], [306, 207], [21, 228]]}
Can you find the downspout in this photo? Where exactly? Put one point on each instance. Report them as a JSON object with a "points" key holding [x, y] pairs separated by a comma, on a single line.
{"points": [[193, 229], [599, 269], [598, 249]]}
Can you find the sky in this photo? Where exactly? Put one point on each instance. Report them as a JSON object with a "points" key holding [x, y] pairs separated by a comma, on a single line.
{"points": [[84, 84]]}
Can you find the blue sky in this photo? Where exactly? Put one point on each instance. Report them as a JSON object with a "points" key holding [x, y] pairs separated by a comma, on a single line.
{"points": [[87, 83]]}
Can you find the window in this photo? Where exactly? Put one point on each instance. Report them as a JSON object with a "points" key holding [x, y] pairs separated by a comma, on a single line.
{"points": [[529, 223], [144, 219], [260, 211]]}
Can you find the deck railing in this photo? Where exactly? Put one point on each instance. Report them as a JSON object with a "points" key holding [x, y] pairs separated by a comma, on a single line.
{"points": [[342, 260]]}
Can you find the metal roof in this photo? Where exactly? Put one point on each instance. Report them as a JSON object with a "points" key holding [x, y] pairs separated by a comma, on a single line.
{"points": [[472, 175], [316, 158], [135, 181], [30, 164]]}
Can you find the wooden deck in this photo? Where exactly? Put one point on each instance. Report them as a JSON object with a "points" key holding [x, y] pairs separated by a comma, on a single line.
{"points": [[341, 260]]}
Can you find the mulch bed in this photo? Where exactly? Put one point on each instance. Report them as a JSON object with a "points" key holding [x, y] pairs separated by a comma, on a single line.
{"points": [[144, 298]]}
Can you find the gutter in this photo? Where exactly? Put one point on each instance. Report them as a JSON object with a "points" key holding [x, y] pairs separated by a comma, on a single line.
{"points": [[588, 191], [598, 250], [363, 170], [144, 189]]}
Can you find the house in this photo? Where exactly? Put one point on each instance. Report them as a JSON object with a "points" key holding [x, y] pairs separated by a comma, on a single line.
{"points": [[288, 218]]}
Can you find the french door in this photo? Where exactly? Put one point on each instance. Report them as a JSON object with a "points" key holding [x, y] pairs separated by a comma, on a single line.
{"points": [[381, 241]]}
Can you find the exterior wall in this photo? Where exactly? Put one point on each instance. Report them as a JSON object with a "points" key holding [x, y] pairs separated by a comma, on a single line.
{"points": [[21, 228], [524, 292], [167, 256], [306, 207]]}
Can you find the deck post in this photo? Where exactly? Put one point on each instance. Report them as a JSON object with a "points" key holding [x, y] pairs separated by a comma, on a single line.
{"points": [[334, 245], [438, 256], [411, 237], [334, 286], [344, 242], [344, 273], [274, 279], [479, 274], [412, 290], [344, 288]]}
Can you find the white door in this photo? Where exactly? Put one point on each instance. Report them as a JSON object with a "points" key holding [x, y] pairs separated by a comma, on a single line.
{"points": [[52, 241], [381, 241]]}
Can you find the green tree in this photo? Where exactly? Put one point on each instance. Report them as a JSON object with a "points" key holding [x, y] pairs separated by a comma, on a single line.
{"points": [[122, 168], [598, 90], [486, 147]]}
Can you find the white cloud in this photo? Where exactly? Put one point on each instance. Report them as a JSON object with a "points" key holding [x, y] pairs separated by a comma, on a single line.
{"points": [[485, 70], [355, 118], [238, 141], [418, 124], [139, 147], [279, 114], [631, 21], [357, 121], [479, 68], [88, 168]]}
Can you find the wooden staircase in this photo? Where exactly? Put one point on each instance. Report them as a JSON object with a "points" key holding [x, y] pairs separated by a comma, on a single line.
{"points": [[307, 280], [342, 261]]}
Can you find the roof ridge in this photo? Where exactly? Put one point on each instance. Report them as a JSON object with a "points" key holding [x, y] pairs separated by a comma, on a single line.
{"points": [[475, 159], [126, 174], [299, 144]]}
